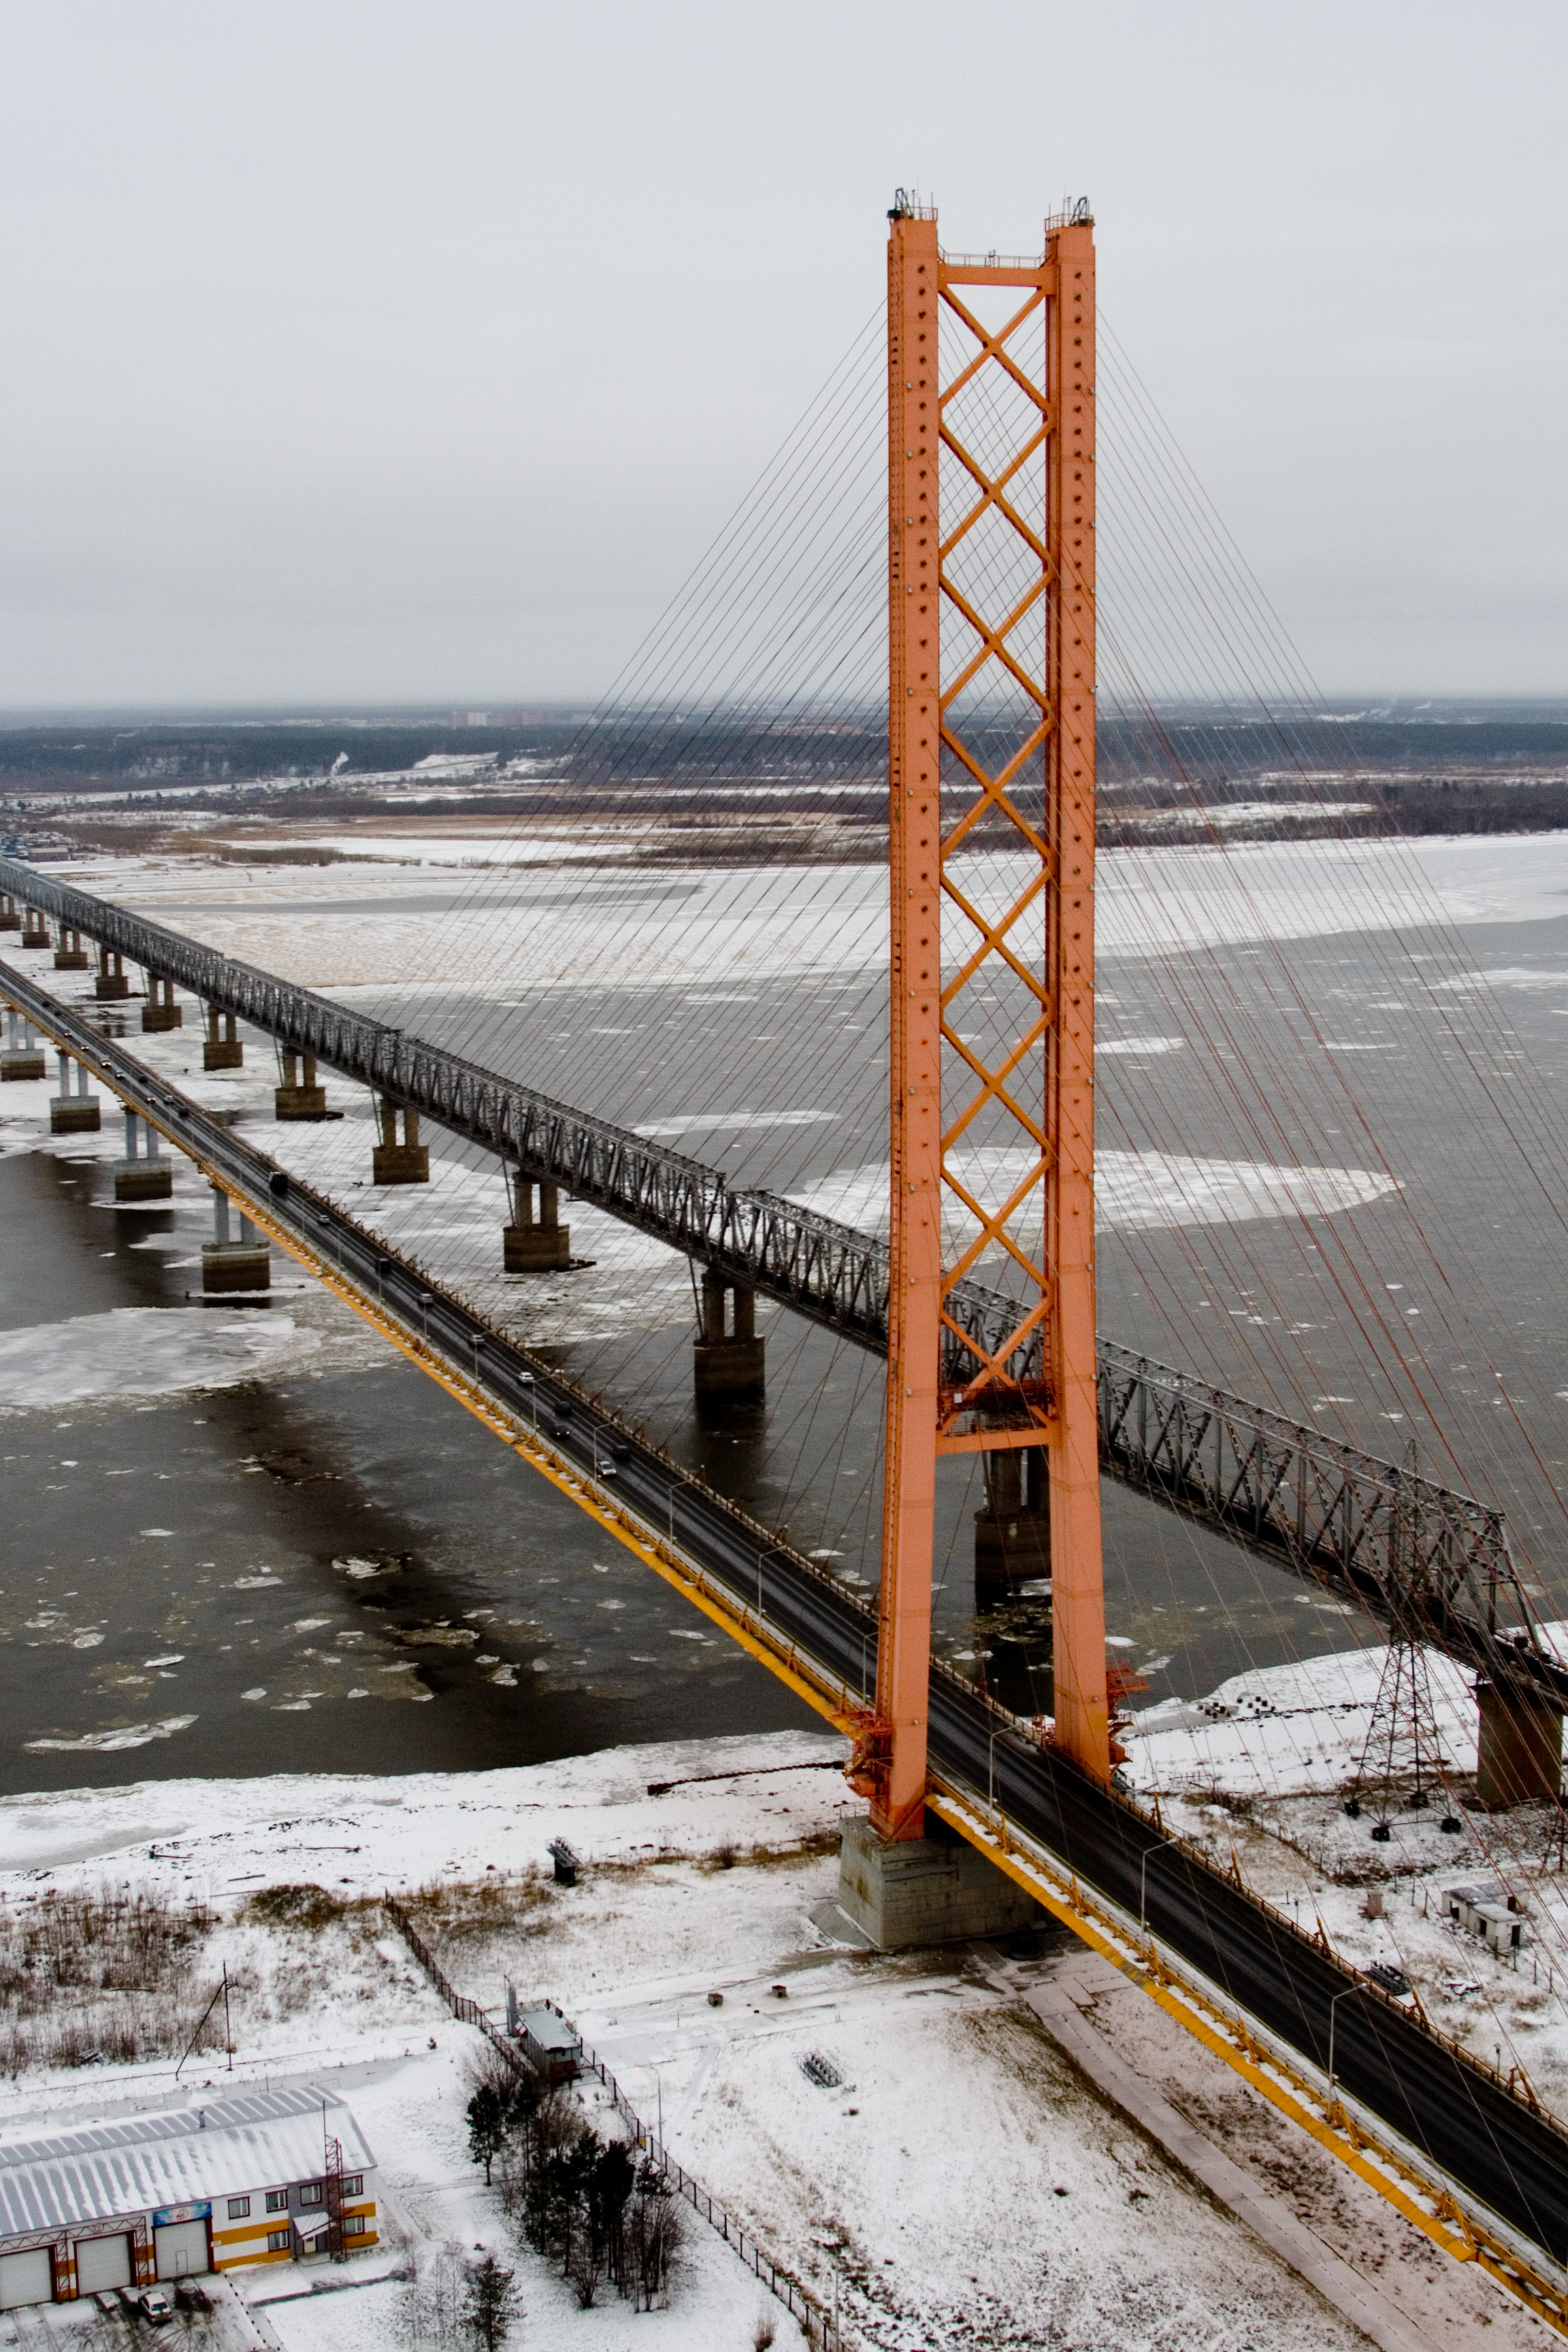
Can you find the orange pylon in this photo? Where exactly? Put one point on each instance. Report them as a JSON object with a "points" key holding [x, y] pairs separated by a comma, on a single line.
{"points": [[991, 586]]}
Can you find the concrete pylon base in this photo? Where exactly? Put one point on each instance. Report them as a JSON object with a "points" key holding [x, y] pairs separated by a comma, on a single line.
{"points": [[400, 1163], [236, 1266], [228, 1054], [143, 1180], [162, 1016], [36, 939], [74, 1114], [1519, 1750], [536, 1249], [729, 1368], [298, 1102], [930, 1890], [71, 960], [111, 986], [21, 1065]]}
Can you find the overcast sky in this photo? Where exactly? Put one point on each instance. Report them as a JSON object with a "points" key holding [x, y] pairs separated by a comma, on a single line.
{"points": [[360, 350]]}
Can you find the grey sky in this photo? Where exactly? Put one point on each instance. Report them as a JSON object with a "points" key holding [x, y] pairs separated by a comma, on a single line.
{"points": [[361, 349]]}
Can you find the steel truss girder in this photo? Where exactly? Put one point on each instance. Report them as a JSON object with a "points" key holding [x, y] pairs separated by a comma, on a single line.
{"points": [[1422, 1557]]}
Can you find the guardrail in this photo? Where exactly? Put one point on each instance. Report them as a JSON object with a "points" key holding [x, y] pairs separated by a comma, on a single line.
{"points": [[821, 2332]]}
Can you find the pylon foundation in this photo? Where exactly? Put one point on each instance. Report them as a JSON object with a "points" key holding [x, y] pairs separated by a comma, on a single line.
{"points": [[35, 931], [934, 1889], [1519, 1750], [73, 1111], [395, 1160], [111, 984], [530, 1247], [221, 1047], [734, 1363], [23, 1056], [161, 1011], [298, 1097], [231, 1263], [146, 1174], [71, 954]]}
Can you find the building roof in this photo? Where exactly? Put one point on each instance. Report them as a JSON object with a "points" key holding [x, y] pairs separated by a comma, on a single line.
{"points": [[549, 2029], [225, 2147]]}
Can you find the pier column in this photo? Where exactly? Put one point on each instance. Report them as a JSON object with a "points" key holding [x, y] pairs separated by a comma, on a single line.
{"points": [[35, 929], [1013, 1531], [399, 1162], [71, 954], [300, 1096], [10, 914], [23, 1056], [111, 984], [1519, 1750], [530, 1247], [73, 1112], [161, 1011], [728, 1364], [147, 1175], [230, 1261], [221, 1047]]}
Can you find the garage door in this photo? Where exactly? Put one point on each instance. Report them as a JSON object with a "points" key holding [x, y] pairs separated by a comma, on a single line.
{"points": [[182, 2248], [102, 2263], [25, 2278]]}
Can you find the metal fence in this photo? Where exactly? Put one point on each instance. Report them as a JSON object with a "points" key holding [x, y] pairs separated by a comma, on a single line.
{"points": [[820, 2328]]}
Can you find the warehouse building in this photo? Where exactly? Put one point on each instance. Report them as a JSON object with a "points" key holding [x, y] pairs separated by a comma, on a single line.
{"points": [[274, 2178]]}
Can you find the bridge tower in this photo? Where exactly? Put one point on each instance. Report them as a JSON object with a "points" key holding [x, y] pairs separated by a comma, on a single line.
{"points": [[991, 586]]}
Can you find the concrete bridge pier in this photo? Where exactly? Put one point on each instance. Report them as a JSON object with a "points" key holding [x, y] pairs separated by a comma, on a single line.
{"points": [[729, 1363], [221, 1047], [300, 1096], [73, 1112], [527, 1248], [1013, 1531], [927, 1890], [231, 1261], [71, 954], [1519, 1750], [147, 1176], [396, 1162], [160, 1011], [35, 929], [23, 1056], [10, 913], [111, 984]]}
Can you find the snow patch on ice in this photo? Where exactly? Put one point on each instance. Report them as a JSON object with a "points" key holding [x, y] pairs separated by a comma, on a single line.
{"points": [[141, 1351]]}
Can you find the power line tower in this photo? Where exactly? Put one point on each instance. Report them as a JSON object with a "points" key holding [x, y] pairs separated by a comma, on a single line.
{"points": [[1401, 1761], [990, 592]]}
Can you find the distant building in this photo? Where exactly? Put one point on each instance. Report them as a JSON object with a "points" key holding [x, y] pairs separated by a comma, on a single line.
{"points": [[270, 2179]]}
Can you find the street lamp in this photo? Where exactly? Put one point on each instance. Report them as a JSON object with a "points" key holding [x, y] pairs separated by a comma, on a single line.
{"points": [[1143, 1881], [1334, 2000]]}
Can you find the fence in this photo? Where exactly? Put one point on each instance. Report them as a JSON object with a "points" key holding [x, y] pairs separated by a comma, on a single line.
{"points": [[821, 2331]]}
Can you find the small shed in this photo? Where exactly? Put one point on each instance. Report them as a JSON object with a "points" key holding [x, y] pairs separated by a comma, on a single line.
{"points": [[552, 2047]]}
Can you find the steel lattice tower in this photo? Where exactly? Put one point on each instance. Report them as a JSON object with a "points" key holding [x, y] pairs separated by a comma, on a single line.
{"points": [[991, 586]]}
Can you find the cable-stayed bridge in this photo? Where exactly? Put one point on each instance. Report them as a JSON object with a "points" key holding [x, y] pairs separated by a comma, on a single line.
{"points": [[990, 1342]]}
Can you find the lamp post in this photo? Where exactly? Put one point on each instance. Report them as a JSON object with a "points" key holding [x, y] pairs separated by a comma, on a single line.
{"points": [[1334, 2000], [1143, 1881]]}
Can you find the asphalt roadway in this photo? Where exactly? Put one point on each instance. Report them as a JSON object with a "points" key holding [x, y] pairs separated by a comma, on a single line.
{"points": [[1463, 2120]]}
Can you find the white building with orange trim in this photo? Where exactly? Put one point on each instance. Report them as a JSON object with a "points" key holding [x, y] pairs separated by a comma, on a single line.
{"points": [[275, 2176]]}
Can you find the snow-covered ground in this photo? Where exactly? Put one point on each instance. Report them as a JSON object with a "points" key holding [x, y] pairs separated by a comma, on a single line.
{"points": [[964, 2183], [674, 926]]}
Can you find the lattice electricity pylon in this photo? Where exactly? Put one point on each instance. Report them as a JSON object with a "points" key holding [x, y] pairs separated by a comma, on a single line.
{"points": [[991, 583], [1401, 1761]]}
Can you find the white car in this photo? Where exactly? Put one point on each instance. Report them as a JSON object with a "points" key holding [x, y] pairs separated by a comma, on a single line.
{"points": [[155, 2305]]}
